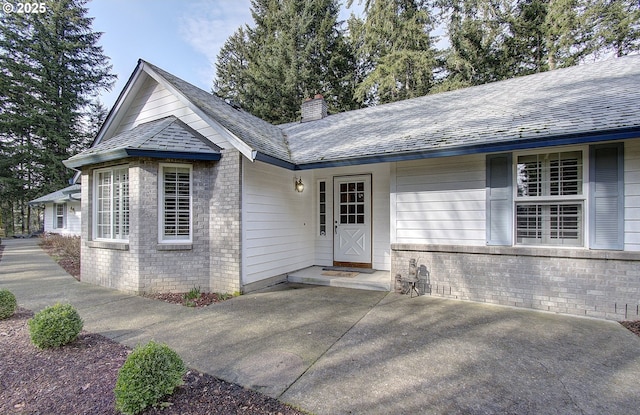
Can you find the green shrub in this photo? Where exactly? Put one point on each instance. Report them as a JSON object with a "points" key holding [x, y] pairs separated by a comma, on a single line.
{"points": [[192, 295], [8, 304], [55, 326], [149, 373]]}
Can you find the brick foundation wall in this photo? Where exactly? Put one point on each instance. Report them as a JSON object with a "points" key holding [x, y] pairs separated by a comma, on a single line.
{"points": [[601, 284]]}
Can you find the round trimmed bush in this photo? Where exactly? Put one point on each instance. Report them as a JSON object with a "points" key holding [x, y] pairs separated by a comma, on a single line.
{"points": [[149, 373], [55, 326], [8, 304]]}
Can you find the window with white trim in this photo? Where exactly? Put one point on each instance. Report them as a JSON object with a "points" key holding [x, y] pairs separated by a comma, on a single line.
{"points": [[111, 208], [59, 215], [175, 203], [550, 199]]}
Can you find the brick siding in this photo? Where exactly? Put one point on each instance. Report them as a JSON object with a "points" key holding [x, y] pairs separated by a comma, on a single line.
{"points": [[211, 262], [601, 284], [225, 224]]}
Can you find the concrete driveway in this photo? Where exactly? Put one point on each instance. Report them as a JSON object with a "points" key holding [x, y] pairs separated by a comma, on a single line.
{"points": [[340, 351]]}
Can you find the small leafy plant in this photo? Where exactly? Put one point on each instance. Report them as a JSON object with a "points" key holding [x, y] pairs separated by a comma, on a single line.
{"points": [[227, 296], [193, 294], [149, 373], [55, 326], [8, 304]]}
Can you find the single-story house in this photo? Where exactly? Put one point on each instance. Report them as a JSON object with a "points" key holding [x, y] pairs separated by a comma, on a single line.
{"points": [[524, 192], [61, 212]]}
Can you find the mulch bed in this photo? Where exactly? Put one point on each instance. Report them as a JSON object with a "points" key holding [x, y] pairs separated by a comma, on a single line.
{"points": [[80, 377], [204, 300], [634, 326]]}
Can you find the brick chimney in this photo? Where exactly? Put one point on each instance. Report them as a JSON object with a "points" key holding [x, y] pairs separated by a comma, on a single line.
{"points": [[314, 109]]}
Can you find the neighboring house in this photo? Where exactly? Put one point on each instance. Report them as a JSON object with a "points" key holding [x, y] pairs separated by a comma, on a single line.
{"points": [[61, 210], [524, 192]]}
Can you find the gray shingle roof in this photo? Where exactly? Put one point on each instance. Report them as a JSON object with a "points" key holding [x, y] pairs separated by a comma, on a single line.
{"points": [[165, 135], [580, 100], [61, 195], [257, 133]]}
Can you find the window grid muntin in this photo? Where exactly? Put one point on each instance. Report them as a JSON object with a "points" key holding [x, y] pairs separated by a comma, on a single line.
{"points": [[550, 174], [549, 199], [112, 204], [352, 203], [556, 224], [59, 215]]}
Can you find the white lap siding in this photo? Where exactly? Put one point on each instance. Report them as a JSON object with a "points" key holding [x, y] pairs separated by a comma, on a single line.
{"points": [[280, 231], [154, 101], [440, 201], [277, 222], [632, 195]]}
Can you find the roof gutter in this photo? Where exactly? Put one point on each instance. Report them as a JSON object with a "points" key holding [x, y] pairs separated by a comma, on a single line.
{"points": [[76, 162], [183, 155], [274, 161], [568, 139], [122, 153]]}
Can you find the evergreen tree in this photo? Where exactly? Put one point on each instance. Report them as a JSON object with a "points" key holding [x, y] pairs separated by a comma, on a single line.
{"points": [[21, 163], [72, 68], [568, 33], [51, 68], [617, 26], [398, 48], [494, 40], [92, 122], [475, 30], [526, 48], [294, 51], [547, 34], [231, 67]]}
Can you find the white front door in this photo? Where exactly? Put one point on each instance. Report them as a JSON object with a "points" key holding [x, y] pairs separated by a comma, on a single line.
{"points": [[352, 221]]}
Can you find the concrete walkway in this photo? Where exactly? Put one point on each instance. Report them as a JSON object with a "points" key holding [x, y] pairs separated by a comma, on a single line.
{"points": [[339, 351]]}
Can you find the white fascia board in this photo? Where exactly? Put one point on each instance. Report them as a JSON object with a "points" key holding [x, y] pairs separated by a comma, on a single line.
{"points": [[116, 112], [236, 142], [114, 115]]}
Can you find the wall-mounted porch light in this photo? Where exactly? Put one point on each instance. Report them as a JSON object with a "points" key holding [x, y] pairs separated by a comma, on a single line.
{"points": [[299, 186]]}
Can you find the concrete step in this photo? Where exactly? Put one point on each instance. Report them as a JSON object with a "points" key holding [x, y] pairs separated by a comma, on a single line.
{"points": [[377, 281]]}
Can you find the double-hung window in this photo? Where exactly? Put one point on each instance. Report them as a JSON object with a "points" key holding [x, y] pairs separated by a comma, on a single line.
{"points": [[59, 213], [549, 203], [175, 203], [111, 204], [545, 197]]}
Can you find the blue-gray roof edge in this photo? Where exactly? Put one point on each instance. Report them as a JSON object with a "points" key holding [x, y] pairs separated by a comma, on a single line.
{"points": [[568, 139], [183, 155]]}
